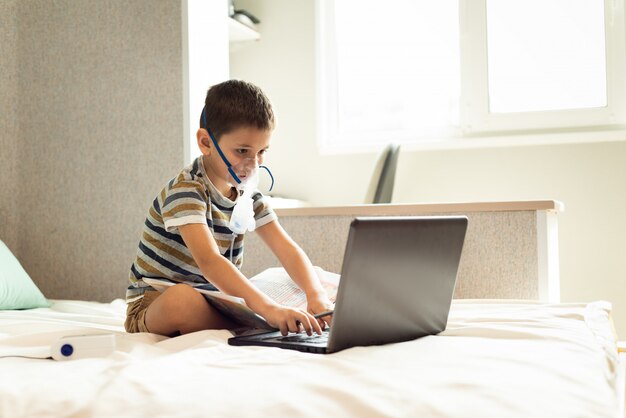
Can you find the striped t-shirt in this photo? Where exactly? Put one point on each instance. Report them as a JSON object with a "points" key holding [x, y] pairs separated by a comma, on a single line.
{"points": [[188, 198]]}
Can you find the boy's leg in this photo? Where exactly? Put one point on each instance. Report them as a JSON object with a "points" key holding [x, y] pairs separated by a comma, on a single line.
{"points": [[181, 309]]}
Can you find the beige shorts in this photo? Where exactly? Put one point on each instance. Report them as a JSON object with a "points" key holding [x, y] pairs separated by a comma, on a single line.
{"points": [[136, 312]]}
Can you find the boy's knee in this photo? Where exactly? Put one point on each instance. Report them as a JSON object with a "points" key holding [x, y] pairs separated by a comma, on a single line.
{"points": [[180, 290], [183, 297]]}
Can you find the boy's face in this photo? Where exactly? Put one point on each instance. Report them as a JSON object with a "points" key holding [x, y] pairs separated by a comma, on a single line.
{"points": [[244, 148]]}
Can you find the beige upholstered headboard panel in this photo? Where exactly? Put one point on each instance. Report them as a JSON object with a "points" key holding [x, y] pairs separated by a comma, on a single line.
{"points": [[510, 250]]}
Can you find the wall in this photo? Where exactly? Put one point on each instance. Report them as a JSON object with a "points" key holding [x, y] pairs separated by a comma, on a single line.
{"points": [[282, 63], [589, 178], [9, 141], [100, 132], [205, 61]]}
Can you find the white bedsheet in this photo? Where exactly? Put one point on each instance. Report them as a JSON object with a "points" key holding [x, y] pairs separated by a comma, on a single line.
{"points": [[496, 359]]}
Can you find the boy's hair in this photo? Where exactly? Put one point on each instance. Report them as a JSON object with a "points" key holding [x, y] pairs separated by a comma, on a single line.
{"points": [[236, 104]]}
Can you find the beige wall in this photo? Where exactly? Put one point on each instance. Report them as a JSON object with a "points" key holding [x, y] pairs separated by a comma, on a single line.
{"points": [[589, 178], [100, 131], [283, 64], [8, 124]]}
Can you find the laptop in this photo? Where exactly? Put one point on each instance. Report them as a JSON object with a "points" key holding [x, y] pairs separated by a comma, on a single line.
{"points": [[397, 281]]}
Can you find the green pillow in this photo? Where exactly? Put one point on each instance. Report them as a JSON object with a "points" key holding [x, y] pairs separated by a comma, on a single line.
{"points": [[17, 290]]}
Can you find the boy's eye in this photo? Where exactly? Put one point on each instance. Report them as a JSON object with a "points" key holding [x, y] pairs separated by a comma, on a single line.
{"points": [[241, 151], [263, 151]]}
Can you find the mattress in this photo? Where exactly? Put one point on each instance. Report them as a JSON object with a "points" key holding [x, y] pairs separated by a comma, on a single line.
{"points": [[496, 358]]}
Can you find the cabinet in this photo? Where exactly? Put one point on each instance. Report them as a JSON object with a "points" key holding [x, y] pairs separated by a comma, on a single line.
{"points": [[238, 32], [240, 35]]}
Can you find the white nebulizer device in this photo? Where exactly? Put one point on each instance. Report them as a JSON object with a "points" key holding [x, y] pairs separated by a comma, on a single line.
{"points": [[73, 347], [242, 218]]}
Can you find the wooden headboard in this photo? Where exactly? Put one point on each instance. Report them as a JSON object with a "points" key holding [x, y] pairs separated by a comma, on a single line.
{"points": [[510, 251]]}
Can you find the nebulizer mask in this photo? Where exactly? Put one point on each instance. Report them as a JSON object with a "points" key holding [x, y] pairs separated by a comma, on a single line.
{"points": [[242, 218]]}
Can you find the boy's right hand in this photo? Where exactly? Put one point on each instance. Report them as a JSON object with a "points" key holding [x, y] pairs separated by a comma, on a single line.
{"points": [[288, 319]]}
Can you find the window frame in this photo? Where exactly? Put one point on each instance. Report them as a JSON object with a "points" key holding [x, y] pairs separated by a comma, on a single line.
{"points": [[479, 127]]}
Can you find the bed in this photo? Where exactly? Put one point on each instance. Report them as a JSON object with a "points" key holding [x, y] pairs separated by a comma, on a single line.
{"points": [[510, 349], [496, 358]]}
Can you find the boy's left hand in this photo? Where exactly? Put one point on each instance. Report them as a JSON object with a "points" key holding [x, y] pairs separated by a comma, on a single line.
{"points": [[319, 304]]}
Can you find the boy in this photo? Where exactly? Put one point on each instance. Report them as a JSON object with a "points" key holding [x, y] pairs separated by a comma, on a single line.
{"points": [[186, 238]]}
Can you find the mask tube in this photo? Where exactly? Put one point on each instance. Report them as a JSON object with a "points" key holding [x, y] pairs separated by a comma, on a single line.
{"points": [[219, 150]]}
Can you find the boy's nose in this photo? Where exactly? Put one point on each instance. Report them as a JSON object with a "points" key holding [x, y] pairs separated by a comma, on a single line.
{"points": [[251, 163]]}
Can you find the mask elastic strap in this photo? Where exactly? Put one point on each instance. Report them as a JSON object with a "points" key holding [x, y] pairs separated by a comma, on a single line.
{"points": [[219, 150], [271, 176]]}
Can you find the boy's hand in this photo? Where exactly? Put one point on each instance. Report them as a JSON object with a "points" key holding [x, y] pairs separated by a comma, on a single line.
{"points": [[288, 319], [319, 304]]}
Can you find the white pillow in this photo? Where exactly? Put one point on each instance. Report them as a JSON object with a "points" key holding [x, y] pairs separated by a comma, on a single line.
{"points": [[17, 290]]}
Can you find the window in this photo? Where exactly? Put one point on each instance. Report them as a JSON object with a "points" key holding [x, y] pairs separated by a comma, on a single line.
{"points": [[551, 67], [451, 71]]}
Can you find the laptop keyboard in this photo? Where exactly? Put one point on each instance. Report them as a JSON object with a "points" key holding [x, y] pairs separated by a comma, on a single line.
{"points": [[303, 338]]}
